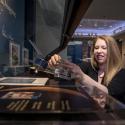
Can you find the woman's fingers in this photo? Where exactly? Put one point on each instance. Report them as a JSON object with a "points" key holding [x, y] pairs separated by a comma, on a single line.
{"points": [[68, 65], [55, 59]]}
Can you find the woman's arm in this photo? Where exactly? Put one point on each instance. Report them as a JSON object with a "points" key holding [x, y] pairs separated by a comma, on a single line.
{"points": [[90, 82], [81, 77]]}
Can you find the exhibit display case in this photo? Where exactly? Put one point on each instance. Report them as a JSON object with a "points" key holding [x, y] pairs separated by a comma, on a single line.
{"points": [[60, 103], [32, 31]]}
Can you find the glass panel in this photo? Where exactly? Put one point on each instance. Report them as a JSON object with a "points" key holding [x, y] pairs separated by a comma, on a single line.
{"points": [[29, 29], [49, 21], [104, 100]]}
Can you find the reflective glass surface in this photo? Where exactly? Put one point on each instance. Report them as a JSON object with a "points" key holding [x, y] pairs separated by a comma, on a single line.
{"points": [[50, 100]]}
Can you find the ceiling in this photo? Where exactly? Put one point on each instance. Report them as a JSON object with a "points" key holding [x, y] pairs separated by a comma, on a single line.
{"points": [[103, 17], [106, 9]]}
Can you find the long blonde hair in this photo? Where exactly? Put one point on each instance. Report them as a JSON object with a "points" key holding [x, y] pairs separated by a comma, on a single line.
{"points": [[114, 59]]}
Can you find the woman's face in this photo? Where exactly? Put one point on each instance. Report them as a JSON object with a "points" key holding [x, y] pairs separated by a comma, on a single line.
{"points": [[100, 51]]}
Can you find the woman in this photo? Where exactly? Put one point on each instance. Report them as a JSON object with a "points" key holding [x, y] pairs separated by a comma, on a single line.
{"points": [[104, 71]]}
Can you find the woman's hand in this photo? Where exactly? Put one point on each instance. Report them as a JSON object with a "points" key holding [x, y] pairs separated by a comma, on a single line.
{"points": [[75, 70], [55, 59]]}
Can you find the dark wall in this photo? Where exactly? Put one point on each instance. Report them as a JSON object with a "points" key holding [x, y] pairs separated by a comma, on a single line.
{"points": [[11, 28], [30, 25]]}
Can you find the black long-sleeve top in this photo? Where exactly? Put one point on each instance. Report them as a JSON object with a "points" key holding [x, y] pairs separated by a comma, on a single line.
{"points": [[116, 88]]}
